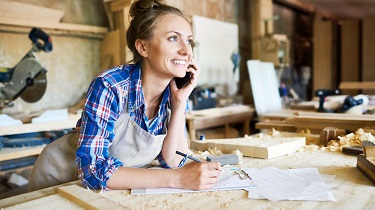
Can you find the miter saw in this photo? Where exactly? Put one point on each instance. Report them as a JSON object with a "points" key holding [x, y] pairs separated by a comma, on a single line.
{"points": [[28, 78]]}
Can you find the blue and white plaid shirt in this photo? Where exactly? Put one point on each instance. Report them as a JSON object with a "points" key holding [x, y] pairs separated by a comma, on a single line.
{"points": [[108, 95]]}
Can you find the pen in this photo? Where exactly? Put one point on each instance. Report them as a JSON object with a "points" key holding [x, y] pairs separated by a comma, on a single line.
{"points": [[188, 156], [192, 158]]}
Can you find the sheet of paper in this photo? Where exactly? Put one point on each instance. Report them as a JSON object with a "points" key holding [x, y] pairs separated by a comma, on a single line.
{"points": [[227, 181], [294, 184]]}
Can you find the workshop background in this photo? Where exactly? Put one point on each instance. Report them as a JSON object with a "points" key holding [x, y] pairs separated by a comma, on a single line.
{"points": [[313, 45], [331, 47]]}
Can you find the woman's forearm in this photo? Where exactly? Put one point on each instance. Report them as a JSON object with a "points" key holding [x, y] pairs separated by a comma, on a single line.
{"points": [[175, 138]]}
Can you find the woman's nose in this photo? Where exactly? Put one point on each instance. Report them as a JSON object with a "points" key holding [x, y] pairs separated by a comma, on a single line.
{"points": [[186, 49]]}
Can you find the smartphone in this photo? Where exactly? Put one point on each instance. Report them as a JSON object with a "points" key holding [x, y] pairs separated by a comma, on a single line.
{"points": [[181, 82]]}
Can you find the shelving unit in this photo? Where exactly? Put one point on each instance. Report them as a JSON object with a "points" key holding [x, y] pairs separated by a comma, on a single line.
{"points": [[13, 153]]}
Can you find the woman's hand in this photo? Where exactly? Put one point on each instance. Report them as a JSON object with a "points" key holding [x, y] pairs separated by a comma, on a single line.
{"points": [[199, 176], [181, 95]]}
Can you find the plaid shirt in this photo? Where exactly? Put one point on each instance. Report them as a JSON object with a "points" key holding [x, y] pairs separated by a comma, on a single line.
{"points": [[108, 96]]}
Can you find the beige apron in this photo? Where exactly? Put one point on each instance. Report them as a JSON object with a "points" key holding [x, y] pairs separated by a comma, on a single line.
{"points": [[132, 145]]}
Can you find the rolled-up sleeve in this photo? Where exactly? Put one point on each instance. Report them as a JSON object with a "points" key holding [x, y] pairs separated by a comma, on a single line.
{"points": [[95, 165]]}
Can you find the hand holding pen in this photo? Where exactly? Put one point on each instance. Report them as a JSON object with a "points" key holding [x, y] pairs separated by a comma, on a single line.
{"points": [[190, 157], [200, 176]]}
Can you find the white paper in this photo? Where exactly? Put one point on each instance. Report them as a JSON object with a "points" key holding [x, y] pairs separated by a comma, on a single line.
{"points": [[294, 184], [227, 181]]}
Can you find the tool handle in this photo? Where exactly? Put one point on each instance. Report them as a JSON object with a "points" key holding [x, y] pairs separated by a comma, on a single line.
{"points": [[37, 34]]}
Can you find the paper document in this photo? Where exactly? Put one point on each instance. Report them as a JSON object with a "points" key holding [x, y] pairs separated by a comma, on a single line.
{"points": [[227, 181], [293, 184]]}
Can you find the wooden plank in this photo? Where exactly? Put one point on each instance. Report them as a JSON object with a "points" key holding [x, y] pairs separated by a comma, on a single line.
{"points": [[23, 198], [18, 11], [350, 65], [265, 147], [119, 5], [261, 10], [357, 85], [110, 46], [37, 127], [368, 49], [57, 26], [322, 55], [87, 198], [367, 167], [14, 153]]}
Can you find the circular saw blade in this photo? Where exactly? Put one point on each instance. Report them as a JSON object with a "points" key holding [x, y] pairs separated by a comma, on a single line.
{"points": [[35, 89]]}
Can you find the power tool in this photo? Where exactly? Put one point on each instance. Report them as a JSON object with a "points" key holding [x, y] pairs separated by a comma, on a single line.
{"points": [[27, 79], [322, 94]]}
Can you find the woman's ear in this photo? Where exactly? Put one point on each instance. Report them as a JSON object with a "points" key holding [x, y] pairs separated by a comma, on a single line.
{"points": [[140, 46]]}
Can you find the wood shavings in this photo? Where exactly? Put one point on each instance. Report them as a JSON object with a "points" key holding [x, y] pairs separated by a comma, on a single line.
{"points": [[351, 139], [215, 151], [311, 147]]}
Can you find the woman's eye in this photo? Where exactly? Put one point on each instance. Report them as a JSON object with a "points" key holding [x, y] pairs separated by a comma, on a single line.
{"points": [[190, 42], [173, 38]]}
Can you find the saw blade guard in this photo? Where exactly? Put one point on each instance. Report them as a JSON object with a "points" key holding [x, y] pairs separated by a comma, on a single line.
{"points": [[29, 77]]}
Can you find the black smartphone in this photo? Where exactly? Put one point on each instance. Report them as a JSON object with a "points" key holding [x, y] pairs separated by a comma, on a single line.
{"points": [[181, 82]]}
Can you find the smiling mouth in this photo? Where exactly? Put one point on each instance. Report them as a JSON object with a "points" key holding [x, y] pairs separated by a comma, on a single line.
{"points": [[180, 62]]}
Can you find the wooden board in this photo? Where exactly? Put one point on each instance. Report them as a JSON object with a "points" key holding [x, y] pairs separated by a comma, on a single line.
{"points": [[87, 198], [19, 11], [367, 167], [350, 65], [266, 147], [14, 153], [324, 55], [368, 48], [264, 83], [43, 126]]}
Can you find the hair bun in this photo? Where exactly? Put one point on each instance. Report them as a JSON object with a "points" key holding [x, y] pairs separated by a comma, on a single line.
{"points": [[143, 5]]}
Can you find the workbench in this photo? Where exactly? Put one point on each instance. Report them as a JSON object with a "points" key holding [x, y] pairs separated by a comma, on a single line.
{"points": [[223, 116], [13, 153], [295, 121], [351, 189]]}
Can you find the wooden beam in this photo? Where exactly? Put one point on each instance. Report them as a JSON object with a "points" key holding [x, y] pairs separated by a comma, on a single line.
{"points": [[119, 5], [56, 26], [368, 49], [307, 7], [322, 55], [261, 11], [350, 66], [17, 10]]}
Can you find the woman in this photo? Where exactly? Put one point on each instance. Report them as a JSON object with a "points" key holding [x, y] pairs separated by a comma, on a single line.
{"points": [[135, 113]]}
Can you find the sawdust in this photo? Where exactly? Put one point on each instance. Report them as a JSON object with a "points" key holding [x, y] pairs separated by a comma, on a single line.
{"points": [[351, 139], [312, 141], [349, 183]]}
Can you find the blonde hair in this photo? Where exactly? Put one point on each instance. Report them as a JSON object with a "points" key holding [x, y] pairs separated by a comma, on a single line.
{"points": [[145, 15]]}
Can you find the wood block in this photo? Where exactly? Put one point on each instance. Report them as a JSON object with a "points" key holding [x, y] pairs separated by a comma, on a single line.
{"points": [[330, 133], [367, 167], [368, 148], [253, 147]]}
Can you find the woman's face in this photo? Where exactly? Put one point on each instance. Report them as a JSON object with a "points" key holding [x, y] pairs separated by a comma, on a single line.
{"points": [[170, 49]]}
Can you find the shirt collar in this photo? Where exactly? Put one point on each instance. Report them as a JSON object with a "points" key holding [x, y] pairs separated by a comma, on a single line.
{"points": [[136, 93]]}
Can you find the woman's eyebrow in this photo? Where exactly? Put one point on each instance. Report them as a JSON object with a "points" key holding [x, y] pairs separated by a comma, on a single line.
{"points": [[176, 32]]}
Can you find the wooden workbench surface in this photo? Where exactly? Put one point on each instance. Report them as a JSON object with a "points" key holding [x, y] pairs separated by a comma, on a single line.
{"points": [[351, 189], [295, 121]]}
